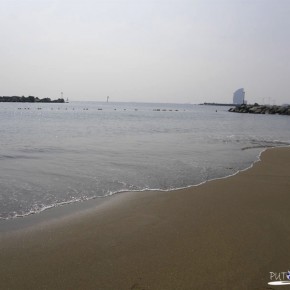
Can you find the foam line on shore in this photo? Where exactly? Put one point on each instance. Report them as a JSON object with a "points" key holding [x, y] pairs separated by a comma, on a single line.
{"points": [[112, 193]]}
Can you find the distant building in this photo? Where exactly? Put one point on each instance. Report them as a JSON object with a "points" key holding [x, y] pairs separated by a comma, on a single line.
{"points": [[239, 97]]}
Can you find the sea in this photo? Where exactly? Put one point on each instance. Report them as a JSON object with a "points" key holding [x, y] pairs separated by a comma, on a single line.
{"points": [[53, 155]]}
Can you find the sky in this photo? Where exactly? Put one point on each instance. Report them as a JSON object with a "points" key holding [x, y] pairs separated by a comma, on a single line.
{"points": [[172, 51]]}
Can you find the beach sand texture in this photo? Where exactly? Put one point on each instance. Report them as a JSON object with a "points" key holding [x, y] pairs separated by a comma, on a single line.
{"points": [[225, 234]]}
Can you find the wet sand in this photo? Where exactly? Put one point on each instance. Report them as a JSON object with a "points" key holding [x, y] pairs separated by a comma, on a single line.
{"points": [[225, 234]]}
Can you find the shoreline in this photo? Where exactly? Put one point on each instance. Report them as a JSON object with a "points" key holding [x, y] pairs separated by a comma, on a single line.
{"points": [[228, 232], [66, 209]]}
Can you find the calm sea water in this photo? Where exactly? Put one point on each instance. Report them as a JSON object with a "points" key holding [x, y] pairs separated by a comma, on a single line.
{"points": [[52, 154]]}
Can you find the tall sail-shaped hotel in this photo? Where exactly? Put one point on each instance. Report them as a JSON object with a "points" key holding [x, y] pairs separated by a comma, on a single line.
{"points": [[239, 97]]}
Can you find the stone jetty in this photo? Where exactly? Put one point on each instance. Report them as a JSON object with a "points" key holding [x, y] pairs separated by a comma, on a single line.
{"points": [[29, 99], [261, 109]]}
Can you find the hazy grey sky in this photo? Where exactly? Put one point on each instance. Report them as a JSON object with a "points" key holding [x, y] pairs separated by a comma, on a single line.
{"points": [[146, 51]]}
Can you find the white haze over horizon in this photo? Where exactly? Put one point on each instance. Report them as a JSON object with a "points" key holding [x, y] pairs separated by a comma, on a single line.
{"points": [[177, 51]]}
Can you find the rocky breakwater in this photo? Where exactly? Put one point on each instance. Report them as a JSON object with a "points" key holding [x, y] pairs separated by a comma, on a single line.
{"points": [[30, 99], [261, 109]]}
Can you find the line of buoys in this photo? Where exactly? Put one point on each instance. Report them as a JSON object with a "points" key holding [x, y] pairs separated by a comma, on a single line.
{"points": [[39, 108], [100, 109], [164, 110]]}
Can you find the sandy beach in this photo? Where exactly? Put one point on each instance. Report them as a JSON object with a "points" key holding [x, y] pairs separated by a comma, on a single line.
{"points": [[225, 234]]}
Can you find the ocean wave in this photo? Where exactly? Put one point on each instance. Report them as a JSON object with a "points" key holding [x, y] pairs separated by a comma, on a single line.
{"points": [[17, 156], [266, 144], [36, 209]]}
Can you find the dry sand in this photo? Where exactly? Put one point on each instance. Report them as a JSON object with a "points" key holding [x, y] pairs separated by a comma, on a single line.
{"points": [[225, 234]]}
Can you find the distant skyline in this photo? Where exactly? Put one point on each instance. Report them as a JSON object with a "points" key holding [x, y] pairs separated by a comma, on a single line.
{"points": [[177, 51]]}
